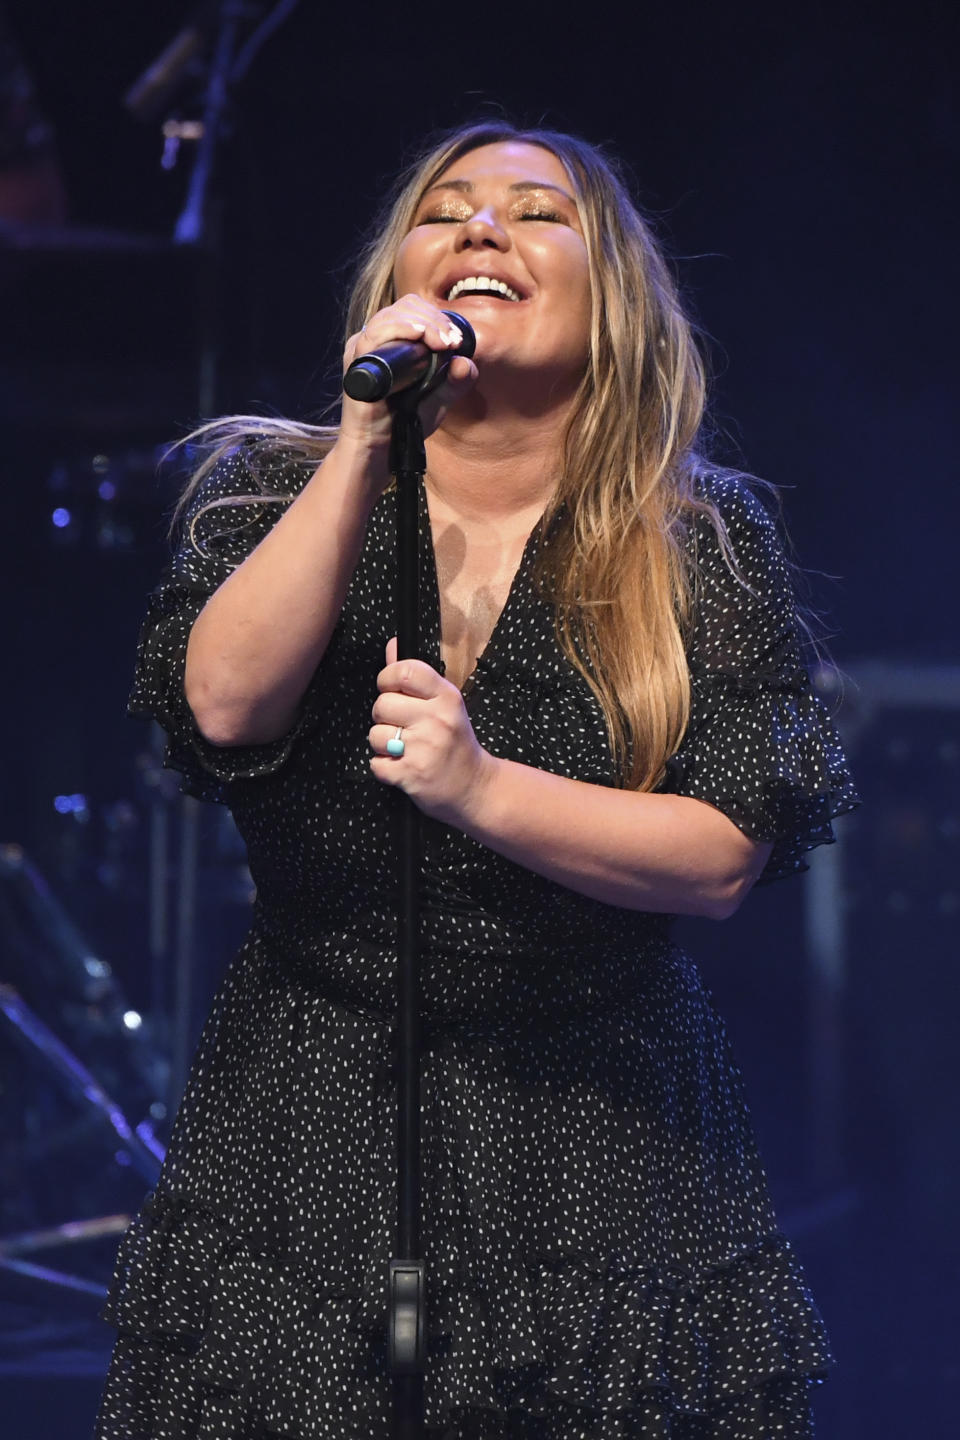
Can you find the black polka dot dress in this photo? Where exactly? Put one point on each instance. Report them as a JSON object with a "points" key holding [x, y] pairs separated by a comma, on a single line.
{"points": [[602, 1257]]}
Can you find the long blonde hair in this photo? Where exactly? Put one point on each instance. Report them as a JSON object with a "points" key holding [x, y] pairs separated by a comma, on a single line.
{"points": [[617, 566]]}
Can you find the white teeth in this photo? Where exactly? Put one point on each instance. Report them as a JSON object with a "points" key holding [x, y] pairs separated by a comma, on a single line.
{"points": [[481, 282]]}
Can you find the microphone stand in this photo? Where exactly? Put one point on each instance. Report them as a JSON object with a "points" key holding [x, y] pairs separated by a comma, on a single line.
{"points": [[406, 1312], [406, 1280]]}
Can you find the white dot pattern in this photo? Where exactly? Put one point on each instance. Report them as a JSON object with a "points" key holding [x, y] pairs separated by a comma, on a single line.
{"points": [[602, 1257]]}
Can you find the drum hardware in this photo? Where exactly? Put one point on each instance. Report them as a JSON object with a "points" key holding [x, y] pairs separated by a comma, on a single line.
{"points": [[45, 949], [41, 943], [138, 1143], [145, 1151], [83, 980], [73, 1232]]}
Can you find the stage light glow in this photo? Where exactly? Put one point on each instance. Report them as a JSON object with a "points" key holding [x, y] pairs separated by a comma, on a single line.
{"points": [[61, 517], [70, 804], [106, 490], [132, 1019]]}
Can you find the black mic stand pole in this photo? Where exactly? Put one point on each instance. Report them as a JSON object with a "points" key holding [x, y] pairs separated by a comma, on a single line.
{"points": [[406, 1317], [406, 1313], [370, 378]]}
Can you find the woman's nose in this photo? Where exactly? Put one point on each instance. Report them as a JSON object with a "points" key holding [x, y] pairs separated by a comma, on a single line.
{"points": [[483, 228]]}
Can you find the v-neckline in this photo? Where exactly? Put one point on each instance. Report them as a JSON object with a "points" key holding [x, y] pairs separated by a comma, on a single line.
{"points": [[429, 578]]}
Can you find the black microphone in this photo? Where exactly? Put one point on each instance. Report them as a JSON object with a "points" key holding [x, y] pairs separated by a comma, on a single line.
{"points": [[405, 362]]}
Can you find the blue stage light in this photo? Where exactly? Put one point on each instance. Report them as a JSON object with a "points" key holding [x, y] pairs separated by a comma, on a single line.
{"points": [[71, 805]]}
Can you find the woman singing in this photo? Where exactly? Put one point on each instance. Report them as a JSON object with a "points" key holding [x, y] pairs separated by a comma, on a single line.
{"points": [[612, 726]]}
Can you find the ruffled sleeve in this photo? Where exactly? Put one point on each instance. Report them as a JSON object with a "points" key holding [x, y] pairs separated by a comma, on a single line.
{"points": [[760, 745], [215, 537]]}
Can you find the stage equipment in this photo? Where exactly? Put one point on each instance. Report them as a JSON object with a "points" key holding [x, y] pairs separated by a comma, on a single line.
{"points": [[39, 941], [93, 1009], [179, 62], [139, 1142], [406, 1277], [882, 910], [74, 1232], [222, 29], [61, 1006]]}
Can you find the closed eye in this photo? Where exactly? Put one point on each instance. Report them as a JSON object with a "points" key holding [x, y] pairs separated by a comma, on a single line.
{"points": [[441, 219]]}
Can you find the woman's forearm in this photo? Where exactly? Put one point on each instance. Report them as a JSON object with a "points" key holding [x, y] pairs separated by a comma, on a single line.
{"points": [[256, 643], [663, 853]]}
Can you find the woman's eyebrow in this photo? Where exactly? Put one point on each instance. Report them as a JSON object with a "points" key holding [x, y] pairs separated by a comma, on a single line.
{"points": [[517, 186]]}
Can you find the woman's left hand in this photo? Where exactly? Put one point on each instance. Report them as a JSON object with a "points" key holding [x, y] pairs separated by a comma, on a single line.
{"points": [[443, 768]]}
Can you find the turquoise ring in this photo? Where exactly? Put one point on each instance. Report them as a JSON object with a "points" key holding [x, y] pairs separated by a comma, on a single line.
{"points": [[395, 744]]}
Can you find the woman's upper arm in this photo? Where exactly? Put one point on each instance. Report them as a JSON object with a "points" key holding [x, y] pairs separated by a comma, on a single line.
{"points": [[219, 529], [760, 746]]}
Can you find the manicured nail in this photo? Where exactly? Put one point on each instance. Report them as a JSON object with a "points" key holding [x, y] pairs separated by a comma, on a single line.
{"points": [[454, 335], [418, 326]]}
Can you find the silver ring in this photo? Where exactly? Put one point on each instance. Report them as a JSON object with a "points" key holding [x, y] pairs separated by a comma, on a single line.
{"points": [[395, 746]]}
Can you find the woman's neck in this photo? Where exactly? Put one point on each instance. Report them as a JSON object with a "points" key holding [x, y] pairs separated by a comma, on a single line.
{"points": [[495, 466]]}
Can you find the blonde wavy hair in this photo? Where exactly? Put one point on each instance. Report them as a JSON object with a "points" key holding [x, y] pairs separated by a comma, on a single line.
{"points": [[617, 566]]}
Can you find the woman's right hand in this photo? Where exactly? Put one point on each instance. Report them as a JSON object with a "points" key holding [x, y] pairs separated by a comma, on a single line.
{"points": [[409, 318]]}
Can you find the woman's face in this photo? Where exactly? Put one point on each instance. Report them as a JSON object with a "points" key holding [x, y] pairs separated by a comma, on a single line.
{"points": [[505, 213]]}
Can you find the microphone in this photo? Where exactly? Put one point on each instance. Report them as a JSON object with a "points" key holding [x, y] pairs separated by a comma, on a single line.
{"points": [[404, 362]]}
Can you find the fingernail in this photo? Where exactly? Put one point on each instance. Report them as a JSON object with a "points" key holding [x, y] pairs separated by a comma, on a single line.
{"points": [[454, 335], [417, 326]]}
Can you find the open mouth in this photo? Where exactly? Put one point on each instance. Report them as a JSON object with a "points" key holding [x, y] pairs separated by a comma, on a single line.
{"points": [[482, 285]]}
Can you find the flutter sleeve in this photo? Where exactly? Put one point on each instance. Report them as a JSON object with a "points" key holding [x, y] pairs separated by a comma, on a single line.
{"points": [[215, 537], [760, 745]]}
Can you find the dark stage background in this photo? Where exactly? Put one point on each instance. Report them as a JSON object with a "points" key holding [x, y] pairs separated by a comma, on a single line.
{"points": [[799, 166]]}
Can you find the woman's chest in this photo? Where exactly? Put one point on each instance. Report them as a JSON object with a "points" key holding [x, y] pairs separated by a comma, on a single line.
{"points": [[477, 596], [475, 575]]}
